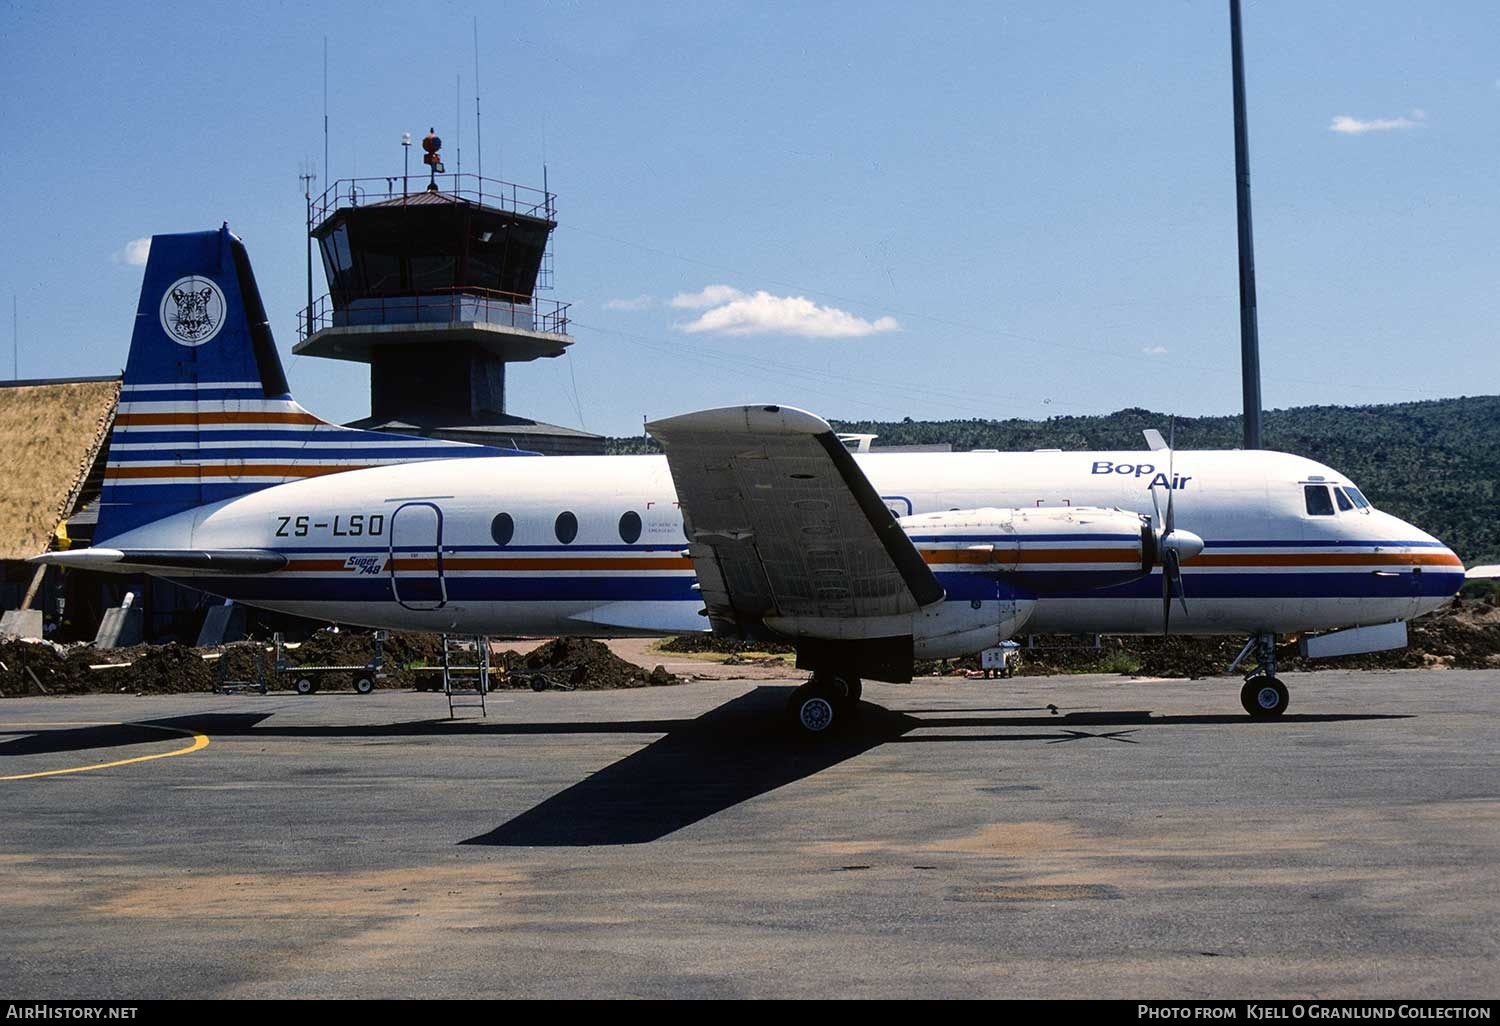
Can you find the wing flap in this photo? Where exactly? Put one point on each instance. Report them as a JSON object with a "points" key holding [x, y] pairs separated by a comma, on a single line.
{"points": [[781, 522]]}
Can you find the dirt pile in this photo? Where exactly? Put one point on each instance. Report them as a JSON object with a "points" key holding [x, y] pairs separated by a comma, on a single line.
{"points": [[165, 670], [706, 642], [583, 665], [31, 669]]}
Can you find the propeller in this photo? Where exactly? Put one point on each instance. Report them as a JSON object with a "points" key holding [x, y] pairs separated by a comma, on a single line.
{"points": [[1174, 546]]}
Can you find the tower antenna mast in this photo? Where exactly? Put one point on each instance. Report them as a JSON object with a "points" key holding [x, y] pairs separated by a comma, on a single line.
{"points": [[478, 134], [325, 105]]}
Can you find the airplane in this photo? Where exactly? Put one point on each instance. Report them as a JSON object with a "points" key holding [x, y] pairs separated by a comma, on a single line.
{"points": [[757, 522]]}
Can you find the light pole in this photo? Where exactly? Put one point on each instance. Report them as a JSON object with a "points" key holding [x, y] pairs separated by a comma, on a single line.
{"points": [[1249, 327]]}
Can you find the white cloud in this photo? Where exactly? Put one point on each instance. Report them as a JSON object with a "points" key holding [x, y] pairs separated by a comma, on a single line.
{"points": [[732, 312], [635, 303], [1343, 124], [134, 253], [711, 295], [1153, 350]]}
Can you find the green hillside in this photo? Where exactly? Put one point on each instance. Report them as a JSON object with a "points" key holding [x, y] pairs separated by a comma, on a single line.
{"points": [[1435, 464]]}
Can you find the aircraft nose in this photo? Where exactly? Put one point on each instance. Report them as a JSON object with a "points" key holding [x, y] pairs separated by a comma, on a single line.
{"points": [[1441, 568]]}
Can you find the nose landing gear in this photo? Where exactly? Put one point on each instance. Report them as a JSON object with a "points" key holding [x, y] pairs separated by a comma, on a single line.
{"points": [[1263, 696]]}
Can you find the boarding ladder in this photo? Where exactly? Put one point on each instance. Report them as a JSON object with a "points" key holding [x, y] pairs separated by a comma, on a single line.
{"points": [[466, 671]]}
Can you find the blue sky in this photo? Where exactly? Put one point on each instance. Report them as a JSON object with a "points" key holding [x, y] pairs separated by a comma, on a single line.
{"points": [[869, 210]]}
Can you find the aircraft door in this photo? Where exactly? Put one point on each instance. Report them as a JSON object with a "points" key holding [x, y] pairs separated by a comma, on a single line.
{"points": [[416, 563]]}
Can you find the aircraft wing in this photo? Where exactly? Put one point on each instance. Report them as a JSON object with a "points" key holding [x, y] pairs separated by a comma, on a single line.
{"points": [[781, 522], [160, 561]]}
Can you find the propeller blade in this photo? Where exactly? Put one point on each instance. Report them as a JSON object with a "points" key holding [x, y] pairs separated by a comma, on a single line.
{"points": [[1178, 581], [1171, 522], [1170, 543], [1166, 594]]}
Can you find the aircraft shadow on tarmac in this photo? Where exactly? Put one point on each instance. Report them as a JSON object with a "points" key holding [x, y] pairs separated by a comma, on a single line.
{"points": [[697, 767], [743, 749], [44, 740]]}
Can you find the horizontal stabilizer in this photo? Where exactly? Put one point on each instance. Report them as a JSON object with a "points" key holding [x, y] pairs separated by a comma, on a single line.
{"points": [[195, 561], [1478, 573]]}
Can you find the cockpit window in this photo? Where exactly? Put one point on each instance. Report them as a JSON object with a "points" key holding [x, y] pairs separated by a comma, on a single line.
{"points": [[1342, 499], [1318, 502], [1359, 499]]}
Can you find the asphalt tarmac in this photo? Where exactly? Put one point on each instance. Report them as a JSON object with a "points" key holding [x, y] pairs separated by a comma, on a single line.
{"points": [[1146, 840]]}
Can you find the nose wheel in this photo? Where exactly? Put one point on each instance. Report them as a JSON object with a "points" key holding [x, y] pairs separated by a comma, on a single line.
{"points": [[1264, 697]]}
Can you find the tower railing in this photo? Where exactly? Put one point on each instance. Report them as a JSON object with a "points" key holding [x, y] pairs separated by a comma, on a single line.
{"points": [[438, 306], [413, 190]]}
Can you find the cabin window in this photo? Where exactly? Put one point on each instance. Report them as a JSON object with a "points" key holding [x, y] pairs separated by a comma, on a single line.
{"points": [[1357, 496], [1318, 502], [630, 527], [502, 528], [1343, 500], [566, 527]]}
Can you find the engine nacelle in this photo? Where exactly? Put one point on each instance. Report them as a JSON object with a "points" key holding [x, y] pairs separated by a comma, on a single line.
{"points": [[948, 630], [1059, 548], [883, 647]]}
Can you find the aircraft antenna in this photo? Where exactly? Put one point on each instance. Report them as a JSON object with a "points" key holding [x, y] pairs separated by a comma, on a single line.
{"points": [[1249, 330]]}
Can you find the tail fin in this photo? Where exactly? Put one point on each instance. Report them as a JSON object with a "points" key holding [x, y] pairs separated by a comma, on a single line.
{"points": [[205, 412]]}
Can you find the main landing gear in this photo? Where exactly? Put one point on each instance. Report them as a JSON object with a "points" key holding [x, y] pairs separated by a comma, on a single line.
{"points": [[1263, 696], [827, 701]]}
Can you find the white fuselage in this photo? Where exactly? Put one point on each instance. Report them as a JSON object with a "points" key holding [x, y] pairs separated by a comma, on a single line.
{"points": [[424, 546]]}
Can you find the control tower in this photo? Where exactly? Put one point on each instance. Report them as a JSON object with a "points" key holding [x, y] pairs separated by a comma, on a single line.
{"points": [[435, 287]]}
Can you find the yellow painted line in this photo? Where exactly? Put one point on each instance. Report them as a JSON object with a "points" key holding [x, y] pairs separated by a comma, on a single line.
{"points": [[199, 741]]}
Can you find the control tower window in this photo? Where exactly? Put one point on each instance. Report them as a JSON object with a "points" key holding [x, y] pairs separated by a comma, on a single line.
{"points": [[1318, 502], [382, 274], [433, 272], [566, 527]]}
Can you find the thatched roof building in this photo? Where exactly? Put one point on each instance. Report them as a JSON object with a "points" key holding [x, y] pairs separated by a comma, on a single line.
{"points": [[51, 433]]}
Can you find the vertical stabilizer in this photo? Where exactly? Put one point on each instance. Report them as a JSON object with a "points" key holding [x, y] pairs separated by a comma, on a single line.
{"points": [[205, 413]]}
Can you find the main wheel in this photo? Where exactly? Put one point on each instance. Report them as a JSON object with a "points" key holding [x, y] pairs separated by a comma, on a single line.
{"points": [[305, 686], [815, 707], [847, 687], [1264, 697], [364, 685]]}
